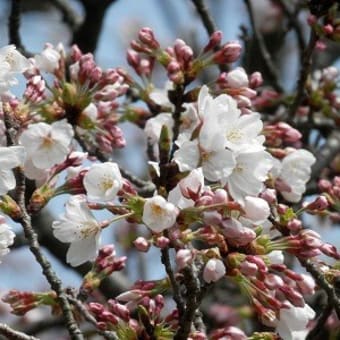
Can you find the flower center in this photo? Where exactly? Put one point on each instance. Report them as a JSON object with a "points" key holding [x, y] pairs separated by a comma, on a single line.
{"points": [[157, 209], [106, 183], [89, 229], [47, 142], [234, 135]]}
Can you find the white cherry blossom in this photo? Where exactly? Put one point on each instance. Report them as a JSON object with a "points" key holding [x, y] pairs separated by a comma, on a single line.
{"points": [[6, 237], [12, 63], [78, 227], [10, 157], [103, 181], [292, 322], [158, 214], [47, 144], [251, 170], [295, 173]]}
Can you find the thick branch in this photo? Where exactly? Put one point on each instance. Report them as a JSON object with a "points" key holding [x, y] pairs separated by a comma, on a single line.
{"points": [[267, 58], [87, 35], [320, 323]]}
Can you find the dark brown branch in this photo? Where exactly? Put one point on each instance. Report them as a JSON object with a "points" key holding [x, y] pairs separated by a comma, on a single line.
{"points": [[205, 16], [87, 34], [319, 278], [267, 58], [14, 25], [12, 334], [304, 72], [34, 246], [91, 319], [294, 23]]}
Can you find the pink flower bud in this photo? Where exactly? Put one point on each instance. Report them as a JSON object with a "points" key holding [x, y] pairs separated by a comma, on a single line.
{"points": [[147, 37], [319, 204], [255, 80], [330, 250], [183, 258], [237, 78], [269, 195], [215, 40], [213, 270], [162, 242], [294, 225], [328, 29], [306, 285], [142, 244], [248, 268], [273, 281], [228, 53]]}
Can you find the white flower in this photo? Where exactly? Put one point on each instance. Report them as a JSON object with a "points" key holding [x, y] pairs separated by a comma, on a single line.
{"points": [[213, 270], [12, 62], [160, 96], [48, 59], [103, 181], [10, 157], [292, 323], [295, 172], [6, 237], [194, 183], [158, 214], [78, 227], [189, 122], [257, 209], [249, 174], [47, 144], [154, 125]]}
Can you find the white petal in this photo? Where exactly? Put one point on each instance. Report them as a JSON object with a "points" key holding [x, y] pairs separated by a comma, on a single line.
{"points": [[82, 251]]}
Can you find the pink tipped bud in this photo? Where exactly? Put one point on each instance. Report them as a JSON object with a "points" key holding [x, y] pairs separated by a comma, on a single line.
{"points": [[229, 53], [215, 40], [306, 285], [269, 195], [255, 80], [142, 244], [248, 268], [294, 225], [147, 37], [220, 196], [330, 250], [273, 281], [319, 204], [162, 242], [183, 258]]}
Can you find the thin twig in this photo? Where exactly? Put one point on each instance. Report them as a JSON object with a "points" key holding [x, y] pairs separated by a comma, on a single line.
{"points": [[267, 58], [91, 319], [34, 246], [304, 71], [12, 334], [207, 20], [319, 278]]}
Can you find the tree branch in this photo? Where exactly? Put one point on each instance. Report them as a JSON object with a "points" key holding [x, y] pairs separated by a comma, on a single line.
{"points": [[32, 238], [319, 278], [267, 58], [320, 323], [207, 20], [68, 15], [12, 334]]}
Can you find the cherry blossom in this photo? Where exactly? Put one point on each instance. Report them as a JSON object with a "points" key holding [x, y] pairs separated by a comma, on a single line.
{"points": [[10, 157], [103, 181], [47, 144], [78, 227], [214, 270], [158, 214], [6, 237]]}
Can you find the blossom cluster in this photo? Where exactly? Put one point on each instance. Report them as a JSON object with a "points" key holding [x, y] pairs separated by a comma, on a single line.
{"points": [[226, 185]]}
